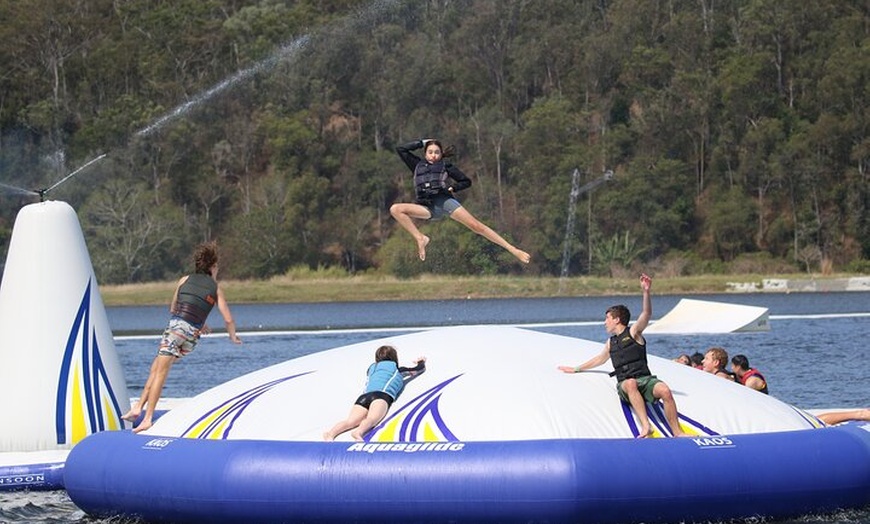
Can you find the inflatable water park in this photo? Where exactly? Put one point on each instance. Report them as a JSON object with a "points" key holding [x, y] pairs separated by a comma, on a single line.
{"points": [[491, 431]]}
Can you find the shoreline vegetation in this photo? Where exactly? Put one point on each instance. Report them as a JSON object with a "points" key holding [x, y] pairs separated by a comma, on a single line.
{"points": [[363, 288]]}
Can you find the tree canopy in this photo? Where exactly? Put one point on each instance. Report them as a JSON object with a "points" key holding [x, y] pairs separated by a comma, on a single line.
{"points": [[737, 131]]}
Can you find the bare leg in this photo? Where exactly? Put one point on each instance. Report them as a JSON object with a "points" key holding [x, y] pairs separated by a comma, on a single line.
{"points": [[629, 387], [162, 364], [836, 417], [136, 410], [663, 392], [465, 218], [356, 415], [377, 411], [404, 215]]}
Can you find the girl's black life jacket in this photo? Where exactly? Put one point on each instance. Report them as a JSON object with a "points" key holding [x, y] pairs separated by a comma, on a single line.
{"points": [[430, 179]]}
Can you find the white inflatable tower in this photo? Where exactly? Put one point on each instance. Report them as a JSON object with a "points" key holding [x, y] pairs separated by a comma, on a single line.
{"points": [[60, 373]]}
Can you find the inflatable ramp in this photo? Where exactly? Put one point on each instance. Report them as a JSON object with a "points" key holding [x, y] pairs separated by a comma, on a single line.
{"points": [[704, 316]]}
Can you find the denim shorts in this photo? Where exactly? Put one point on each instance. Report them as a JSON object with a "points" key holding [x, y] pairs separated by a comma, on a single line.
{"points": [[443, 206], [179, 338]]}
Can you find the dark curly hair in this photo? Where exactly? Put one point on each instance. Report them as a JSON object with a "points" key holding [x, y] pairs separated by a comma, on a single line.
{"points": [[205, 256]]}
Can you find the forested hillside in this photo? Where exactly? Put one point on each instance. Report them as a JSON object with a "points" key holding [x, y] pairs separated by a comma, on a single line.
{"points": [[736, 131]]}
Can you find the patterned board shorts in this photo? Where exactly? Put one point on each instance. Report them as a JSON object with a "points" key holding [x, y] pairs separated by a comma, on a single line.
{"points": [[179, 338]]}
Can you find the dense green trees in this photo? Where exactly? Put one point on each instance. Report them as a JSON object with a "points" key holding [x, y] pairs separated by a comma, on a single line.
{"points": [[737, 130]]}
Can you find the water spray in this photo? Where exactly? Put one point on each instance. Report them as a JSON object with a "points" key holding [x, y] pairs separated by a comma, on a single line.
{"points": [[42, 192], [365, 16]]}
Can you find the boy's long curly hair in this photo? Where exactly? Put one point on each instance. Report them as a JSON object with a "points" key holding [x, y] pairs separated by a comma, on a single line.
{"points": [[205, 256]]}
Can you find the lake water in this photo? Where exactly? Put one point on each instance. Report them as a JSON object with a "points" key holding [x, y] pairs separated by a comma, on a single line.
{"points": [[812, 356]]}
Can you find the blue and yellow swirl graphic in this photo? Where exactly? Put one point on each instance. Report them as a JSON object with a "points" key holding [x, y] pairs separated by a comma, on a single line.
{"points": [[217, 422], [659, 424], [417, 421], [86, 402]]}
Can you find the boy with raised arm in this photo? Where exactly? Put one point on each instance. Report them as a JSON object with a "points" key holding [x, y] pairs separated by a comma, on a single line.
{"points": [[626, 349]]}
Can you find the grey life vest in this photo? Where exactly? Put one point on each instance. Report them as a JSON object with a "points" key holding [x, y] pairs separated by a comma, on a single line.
{"points": [[430, 179], [196, 297]]}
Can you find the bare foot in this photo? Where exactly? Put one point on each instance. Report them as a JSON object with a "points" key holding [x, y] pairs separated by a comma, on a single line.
{"points": [[421, 247], [681, 434], [356, 436], [644, 433], [142, 427], [524, 257], [131, 415], [327, 436]]}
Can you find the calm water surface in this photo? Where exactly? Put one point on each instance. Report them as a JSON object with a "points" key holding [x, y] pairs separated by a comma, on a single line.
{"points": [[809, 356]]}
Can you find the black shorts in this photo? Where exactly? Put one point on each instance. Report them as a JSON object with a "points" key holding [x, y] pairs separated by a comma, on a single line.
{"points": [[365, 400]]}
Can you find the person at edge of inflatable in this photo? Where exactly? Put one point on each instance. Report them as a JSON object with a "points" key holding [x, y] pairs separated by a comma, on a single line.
{"points": [[747, 375], [384, 383], [194, 297], [626, 349], [715, 360], [434, 196]]}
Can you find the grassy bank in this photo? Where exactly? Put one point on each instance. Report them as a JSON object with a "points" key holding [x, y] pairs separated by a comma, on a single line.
{"points": [[368, 288]]}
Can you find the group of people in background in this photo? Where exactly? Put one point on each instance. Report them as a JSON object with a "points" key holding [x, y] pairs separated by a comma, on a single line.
{"points": [[715, 361]]}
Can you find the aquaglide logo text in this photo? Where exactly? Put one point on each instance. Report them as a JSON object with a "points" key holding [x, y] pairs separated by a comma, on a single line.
{"points": [[406, 447]]}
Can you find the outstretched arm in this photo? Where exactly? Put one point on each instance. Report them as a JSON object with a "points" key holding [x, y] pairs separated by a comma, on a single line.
{"points": [[643, 319], [224, 308], [409, 373], [593, 362]]}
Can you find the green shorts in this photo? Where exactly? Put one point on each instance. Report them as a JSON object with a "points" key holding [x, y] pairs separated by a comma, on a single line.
{"points": [[645, 385]]}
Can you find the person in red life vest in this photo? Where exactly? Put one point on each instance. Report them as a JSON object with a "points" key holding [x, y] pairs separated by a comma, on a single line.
{"points": [[748, 376], [436, 182], [715, 360], [626, 349], [194, 297]]}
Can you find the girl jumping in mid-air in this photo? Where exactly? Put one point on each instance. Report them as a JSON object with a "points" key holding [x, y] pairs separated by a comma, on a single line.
{"points": [[434, 196]]}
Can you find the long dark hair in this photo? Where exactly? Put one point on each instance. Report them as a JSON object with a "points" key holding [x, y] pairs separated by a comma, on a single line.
{"points": [[446, 152]]}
